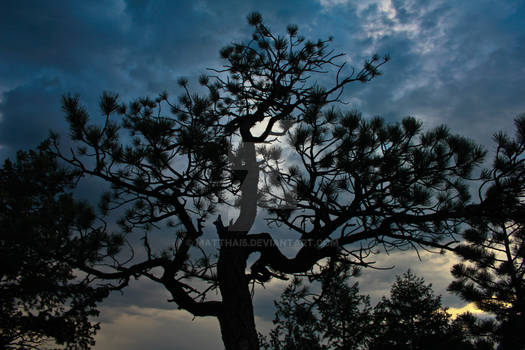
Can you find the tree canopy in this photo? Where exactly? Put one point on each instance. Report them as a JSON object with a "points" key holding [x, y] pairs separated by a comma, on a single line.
{"points": [[492, 273], [296, 325], [338, 317], [411, 318], [43, 233]]}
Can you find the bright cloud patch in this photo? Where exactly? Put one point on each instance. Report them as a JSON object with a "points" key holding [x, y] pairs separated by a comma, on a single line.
{"points": [[471, 307], [327, 4]]}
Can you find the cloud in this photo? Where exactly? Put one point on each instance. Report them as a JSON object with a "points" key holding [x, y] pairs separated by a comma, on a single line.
{"points": [[28, 113], [456, 69], [141, 293], [470, 307], [328, 4], [264, 297], [433, 267], [137, 328], [64, 37]]}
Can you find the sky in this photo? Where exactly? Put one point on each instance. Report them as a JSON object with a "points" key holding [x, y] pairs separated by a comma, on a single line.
{"points": [[455, 62]]}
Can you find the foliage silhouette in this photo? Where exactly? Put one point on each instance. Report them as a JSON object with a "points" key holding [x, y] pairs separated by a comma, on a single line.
{"points": [[336, 318], [413, 318], [345, 314], [339, 318], [297, 326], [42, 237], [492, 274]]}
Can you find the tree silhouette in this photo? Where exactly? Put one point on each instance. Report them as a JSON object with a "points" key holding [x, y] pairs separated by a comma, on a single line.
{"points": [[336, 318], [492, 274], [413, 318], [42, 300], [339, 317], [348, 186], [296, 325], [344, 313]]}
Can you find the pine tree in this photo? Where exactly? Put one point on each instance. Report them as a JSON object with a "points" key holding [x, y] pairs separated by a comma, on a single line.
{"points": [[337, 317], [345, 315], [411, 318], [492, 274], [297, 327], [44, 234]]}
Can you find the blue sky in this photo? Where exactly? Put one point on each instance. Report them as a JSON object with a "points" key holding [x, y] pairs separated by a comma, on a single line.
{"points": [[458, 63]]}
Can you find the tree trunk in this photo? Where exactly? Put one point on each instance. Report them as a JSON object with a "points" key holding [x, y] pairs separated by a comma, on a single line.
{"points": [[236, 319]]}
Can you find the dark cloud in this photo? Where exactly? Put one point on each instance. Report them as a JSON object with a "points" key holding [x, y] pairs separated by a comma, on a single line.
{"points": [[28, 113], [460, 66], [140, 293], [67, 36]]}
